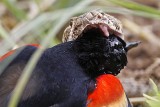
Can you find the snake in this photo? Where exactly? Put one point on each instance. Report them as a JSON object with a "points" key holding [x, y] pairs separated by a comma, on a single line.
{"points": [[94, 18]]}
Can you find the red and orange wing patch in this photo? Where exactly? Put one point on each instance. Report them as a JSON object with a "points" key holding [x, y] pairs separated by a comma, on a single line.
{"points": [[108, 93]]}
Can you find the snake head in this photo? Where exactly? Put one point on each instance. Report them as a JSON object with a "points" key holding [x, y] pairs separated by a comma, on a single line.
{"points": [[96, 18]]}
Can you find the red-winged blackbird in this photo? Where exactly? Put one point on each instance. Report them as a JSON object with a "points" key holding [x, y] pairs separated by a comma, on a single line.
{"points": [[78, 73]]}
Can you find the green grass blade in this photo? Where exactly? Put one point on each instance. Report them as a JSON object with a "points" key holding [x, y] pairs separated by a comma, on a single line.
{"points": [[155, 88], [4, 34], [150, 98], [153, 101], [8, 41], [19, 14], [123, 11], [33, 61], [135, 6]]}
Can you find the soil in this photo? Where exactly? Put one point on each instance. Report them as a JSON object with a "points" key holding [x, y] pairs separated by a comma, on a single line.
{"points": [[143, 61]]}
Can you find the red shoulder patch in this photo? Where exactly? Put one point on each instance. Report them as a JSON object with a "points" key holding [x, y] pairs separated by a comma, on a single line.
{"points": [[7, 54], [12, 51], [36, 45], [109, 91]]}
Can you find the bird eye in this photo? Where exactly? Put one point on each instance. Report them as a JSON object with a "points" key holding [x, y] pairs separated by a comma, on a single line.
{"points": [[122, 41]]}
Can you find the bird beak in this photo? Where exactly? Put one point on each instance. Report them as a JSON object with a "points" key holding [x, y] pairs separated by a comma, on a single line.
{"points": [[131, 45]]}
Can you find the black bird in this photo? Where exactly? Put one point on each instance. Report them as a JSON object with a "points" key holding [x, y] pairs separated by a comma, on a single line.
{"points": [[71, 74]]}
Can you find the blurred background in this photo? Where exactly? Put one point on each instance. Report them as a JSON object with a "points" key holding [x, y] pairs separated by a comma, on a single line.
{"points": [[43, 22]]}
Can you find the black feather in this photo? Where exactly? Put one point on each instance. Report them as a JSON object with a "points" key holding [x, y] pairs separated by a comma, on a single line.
{"points": [[65, 73]]}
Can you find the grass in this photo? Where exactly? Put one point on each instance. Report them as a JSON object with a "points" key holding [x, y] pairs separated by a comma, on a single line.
{"points": [[153, 101]]}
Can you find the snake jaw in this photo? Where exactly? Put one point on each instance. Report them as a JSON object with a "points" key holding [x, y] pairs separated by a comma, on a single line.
{"points": [[107, 31], [104, 29]]}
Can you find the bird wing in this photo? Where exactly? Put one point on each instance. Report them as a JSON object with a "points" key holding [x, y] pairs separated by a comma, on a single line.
{"points": [[109, 92], [12, 72]]}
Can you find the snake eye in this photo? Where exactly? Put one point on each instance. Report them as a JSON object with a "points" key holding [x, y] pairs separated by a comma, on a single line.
{"points": [[70, 23]]}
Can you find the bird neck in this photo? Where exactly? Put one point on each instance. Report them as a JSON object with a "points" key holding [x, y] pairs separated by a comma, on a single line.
{"points": [[109, 92]]}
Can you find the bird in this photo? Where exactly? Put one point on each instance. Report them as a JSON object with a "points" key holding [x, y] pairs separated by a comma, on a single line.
{"points": [[80, 72]]}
